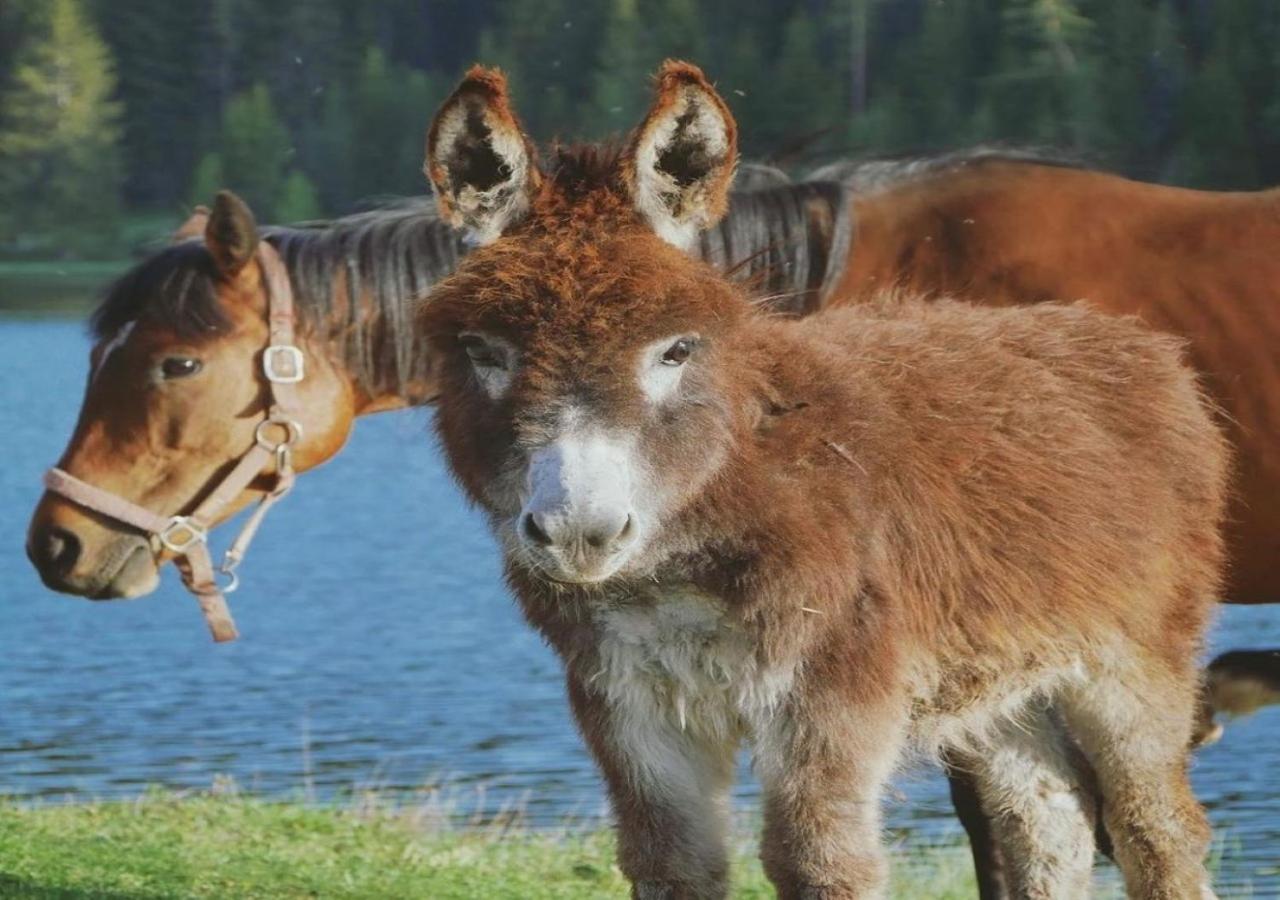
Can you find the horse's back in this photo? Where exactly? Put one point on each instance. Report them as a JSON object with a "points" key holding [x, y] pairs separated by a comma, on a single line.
{"points": [[1199, 264]]}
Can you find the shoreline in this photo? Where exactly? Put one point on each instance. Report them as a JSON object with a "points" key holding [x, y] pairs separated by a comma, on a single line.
{"points": [[216, 845]]}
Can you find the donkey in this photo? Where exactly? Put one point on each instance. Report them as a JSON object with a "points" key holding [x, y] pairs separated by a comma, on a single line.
{"points": [[844, 537]]}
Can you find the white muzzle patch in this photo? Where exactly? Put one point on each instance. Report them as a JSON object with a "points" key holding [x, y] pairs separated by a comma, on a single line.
{"points": [[580, 516]]}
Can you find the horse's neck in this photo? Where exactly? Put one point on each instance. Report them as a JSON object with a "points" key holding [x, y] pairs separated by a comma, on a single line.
{"points": [[359, 281], [786, 242]]}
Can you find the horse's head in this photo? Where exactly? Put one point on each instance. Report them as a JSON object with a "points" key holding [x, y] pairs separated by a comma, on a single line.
{"points": [[587, 395], [176, 395]]}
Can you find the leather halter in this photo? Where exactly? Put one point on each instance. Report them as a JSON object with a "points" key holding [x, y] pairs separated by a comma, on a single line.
{"points": [[186, 537]]}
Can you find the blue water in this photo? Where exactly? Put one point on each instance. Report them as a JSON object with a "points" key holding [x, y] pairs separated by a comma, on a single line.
{"points": [[379, 650]]}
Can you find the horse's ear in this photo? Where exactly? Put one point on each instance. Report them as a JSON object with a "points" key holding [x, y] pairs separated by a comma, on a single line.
{"points": [[479, 160], [194, 226], [679, 163], [231, 234]]}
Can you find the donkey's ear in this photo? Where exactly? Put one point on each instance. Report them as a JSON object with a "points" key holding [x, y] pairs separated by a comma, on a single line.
{"points": [[479, 159], [680, 161], [231, 234], [194, 226]]}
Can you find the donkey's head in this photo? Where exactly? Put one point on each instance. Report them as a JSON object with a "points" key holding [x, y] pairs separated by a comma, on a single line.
{"points": [[585, 399], [176, 393]]}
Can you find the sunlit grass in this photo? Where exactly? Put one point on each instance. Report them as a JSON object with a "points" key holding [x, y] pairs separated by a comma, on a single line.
{"points": [[165, 845]]}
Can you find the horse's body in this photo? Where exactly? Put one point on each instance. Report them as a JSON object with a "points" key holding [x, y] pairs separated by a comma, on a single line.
{"points": [[908, 524], [1199, 264]]}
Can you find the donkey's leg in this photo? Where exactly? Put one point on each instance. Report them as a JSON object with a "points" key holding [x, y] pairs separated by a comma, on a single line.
{"points": [[1041, 798], [1135, 726], [988, 863], [669, 788], [823, 775]]}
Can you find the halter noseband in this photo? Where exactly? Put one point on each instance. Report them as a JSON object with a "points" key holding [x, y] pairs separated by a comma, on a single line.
{"points": [[186, 537]]}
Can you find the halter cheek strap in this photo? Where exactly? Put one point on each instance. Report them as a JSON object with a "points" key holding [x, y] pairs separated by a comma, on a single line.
{"points": [[186, 537]]}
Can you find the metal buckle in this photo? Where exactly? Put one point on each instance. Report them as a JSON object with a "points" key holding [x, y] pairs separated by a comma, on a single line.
{"points": [[293, 369], [293, 434], [196, 534]]}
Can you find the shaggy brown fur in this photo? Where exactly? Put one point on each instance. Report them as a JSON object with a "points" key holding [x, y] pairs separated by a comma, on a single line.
{"points": [[903, 525]]}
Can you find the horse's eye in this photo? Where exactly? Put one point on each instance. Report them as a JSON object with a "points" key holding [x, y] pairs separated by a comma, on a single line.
{"points": [[678, 352], [179, 366], [480, 353]]}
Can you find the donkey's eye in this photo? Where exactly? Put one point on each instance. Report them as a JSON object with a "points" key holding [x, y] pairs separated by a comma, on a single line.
{"points": [[480, 353], [678, 352], [180, 366]]}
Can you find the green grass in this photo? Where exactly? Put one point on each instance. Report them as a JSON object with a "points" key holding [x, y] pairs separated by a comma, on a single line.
{"points": [[166, 846]]}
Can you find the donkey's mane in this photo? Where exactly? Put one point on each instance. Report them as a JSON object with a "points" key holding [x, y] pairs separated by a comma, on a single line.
{"points": [[386, 258], [581, 168], [870, 175]]}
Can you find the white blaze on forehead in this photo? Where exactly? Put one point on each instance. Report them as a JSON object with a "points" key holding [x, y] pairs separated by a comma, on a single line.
{"points": [[658, 380], [111, 346], [582, 475]]}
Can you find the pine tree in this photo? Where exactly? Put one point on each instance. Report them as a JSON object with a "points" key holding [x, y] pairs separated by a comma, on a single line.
{"points": [[802, 92], [165, 115], [299, 201], [1044, 88], [59, 131], [388, 109], [256, 150], [207, 180], [621, 73], [1216, 150]]}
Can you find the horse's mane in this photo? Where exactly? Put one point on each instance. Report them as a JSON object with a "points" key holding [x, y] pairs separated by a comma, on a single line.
{"points": [[386, 258], [870, 175], [390, 257], [787, 241]]}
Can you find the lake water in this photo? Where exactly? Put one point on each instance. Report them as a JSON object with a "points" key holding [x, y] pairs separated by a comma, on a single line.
{"points": [[379, 651]]}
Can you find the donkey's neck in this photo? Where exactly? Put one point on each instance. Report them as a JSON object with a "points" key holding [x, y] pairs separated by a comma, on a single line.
{"points": [[357, 281]]}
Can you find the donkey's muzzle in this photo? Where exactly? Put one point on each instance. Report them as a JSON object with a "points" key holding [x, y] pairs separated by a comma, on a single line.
{"points": [[578, 520]]}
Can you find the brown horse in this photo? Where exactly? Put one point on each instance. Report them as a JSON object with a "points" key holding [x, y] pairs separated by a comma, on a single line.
{"points": [[178, 387], [1198, 264], [905, 524]]}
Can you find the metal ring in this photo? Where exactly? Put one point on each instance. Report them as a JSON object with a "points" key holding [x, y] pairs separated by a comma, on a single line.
{"points": [[293, 433]]}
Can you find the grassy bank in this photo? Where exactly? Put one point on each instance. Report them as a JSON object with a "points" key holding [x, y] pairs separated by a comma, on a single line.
{"points": [[54, 287], [163, 846]]}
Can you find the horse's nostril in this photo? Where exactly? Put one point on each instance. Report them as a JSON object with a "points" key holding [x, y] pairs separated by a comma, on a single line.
{"points": [[56, 550], [533, 531]]}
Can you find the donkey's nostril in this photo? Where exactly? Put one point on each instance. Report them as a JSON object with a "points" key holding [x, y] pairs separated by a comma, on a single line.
{"points": [[533, 531], [607, 533], [55, 550]]}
